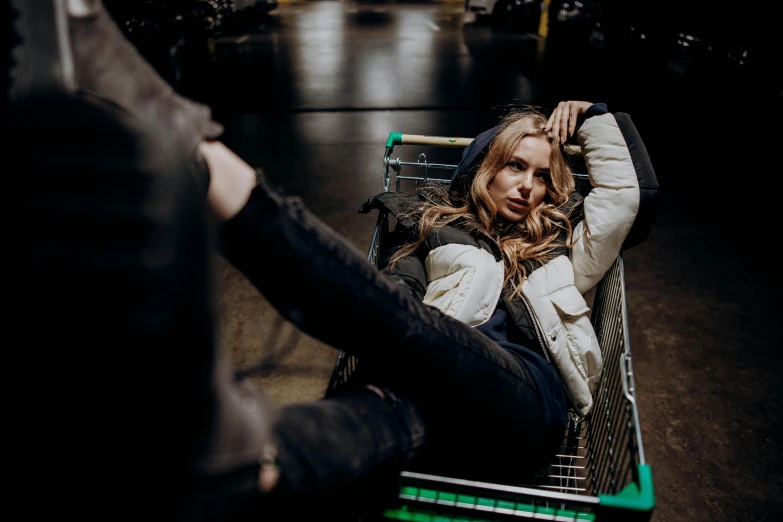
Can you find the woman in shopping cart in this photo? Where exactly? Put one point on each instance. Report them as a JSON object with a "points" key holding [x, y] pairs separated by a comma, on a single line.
{"points": [[474, 341], [510, 249]]}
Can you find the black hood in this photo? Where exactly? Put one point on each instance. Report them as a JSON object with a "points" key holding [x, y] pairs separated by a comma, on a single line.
{"points": [[472, 157]]}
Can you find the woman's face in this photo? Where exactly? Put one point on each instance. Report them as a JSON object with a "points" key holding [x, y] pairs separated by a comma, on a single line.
{"points": [[522, 183]]}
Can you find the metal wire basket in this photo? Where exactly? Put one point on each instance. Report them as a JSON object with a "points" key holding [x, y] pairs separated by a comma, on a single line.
{"points": [[599, 473]]}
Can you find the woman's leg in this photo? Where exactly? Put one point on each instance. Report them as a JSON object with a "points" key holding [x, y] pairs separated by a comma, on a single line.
{"points": [[329, 290], [338, 458], [345, 451]]}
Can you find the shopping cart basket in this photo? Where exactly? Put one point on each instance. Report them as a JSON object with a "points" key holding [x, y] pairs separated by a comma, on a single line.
{"points": [[599, 473]]}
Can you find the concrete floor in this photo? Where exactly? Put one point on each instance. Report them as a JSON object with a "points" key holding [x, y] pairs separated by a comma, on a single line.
{"points": [[311, 98]]}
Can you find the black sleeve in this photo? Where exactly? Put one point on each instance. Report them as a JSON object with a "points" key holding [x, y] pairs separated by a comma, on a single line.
{"points": [[648, 183], [243, 239], [409, 271]]}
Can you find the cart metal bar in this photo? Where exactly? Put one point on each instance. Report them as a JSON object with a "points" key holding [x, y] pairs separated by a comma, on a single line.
{"points": [[629, 387], [398, 138], [418, 178], [397, 162], [373, 253], [487, 486]]}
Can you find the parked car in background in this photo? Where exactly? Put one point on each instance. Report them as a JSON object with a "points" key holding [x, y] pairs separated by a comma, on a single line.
{"points": [[521, 15], [154, 30], [172, 35], [259, 6], [697, 50], [248, 14], [267, 5], [710, 64], [579, 21]]}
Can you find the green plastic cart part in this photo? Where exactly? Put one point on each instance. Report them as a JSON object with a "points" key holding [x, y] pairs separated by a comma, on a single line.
{"points": [[556, 514], [405, 515], [635, 497], [409, 491], [505, 504], [428, 494], [413, 516], [486, 502], [447, 497], [466, 499], [395, 138]]}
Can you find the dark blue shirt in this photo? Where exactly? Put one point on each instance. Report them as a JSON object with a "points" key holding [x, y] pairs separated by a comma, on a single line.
{"points": [[543, 373]]}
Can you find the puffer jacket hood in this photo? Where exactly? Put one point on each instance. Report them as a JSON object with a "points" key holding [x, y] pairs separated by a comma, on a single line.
{"points": [[472, 156]]}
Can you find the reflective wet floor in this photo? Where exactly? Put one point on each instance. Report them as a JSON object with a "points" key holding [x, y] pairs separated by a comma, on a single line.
{"points": [[312, 95]]}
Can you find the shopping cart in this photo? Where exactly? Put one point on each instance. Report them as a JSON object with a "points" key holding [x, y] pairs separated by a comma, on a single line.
{"points": [[599, 473]]}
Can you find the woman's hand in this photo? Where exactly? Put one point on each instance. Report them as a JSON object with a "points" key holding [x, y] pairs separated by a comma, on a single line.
{"points": [[231, 180], [562, 122]]}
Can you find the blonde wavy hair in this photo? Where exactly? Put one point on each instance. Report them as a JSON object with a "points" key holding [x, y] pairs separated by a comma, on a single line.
{"points": [[538, 238]]}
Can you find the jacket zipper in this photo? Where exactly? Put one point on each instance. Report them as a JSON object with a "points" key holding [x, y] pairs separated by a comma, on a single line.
{"points": [[573, 414], [537, 327], [536, 324]]}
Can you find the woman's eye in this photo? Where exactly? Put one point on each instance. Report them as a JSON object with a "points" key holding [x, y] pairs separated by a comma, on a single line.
{"points": [[515, 165], [543, 176]]}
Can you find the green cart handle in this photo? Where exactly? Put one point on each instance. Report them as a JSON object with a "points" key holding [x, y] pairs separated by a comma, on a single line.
{"points": [[397, 138]]}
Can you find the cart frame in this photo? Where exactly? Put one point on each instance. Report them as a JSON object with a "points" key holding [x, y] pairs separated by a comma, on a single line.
{"points": [[600, 472]]}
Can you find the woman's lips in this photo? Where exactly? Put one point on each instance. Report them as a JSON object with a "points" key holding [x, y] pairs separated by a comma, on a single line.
{"points": [[517, 204]]}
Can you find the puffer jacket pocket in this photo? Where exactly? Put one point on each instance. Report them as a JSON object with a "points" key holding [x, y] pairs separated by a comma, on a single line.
{"points": [[448, 293], [579, 334], [465, 282]]}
